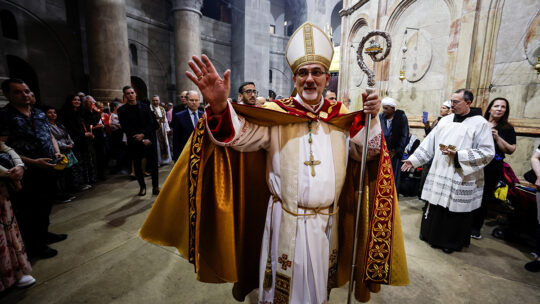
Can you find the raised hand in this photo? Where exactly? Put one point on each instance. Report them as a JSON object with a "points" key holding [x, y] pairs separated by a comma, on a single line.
{"points": [[214, 89]]}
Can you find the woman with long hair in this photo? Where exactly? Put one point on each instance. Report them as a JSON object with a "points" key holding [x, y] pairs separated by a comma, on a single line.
{"points": [[70, 116], [504, 139]]}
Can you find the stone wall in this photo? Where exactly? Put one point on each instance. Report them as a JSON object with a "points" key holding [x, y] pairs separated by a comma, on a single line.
{"points": [[516, 51], [216, 44], [48, 44], [149, 32]]}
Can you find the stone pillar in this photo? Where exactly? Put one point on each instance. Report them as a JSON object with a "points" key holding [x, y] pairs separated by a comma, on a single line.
{"points": [[187, 40], [108, 53], [250, 50]]}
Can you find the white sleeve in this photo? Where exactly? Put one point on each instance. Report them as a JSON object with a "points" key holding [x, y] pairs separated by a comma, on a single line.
{"points": [[480, 154], [247, 136], [374, 140]]}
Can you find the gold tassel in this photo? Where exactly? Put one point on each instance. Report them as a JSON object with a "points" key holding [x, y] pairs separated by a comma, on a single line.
{"points": [[267, 282]]}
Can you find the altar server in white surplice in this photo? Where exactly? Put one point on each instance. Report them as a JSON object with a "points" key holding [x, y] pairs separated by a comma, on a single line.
{"points": [[461, 146]]}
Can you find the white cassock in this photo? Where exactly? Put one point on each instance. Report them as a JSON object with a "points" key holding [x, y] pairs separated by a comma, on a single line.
{"points": [[163, 129], [457, 189], [289, 179]]}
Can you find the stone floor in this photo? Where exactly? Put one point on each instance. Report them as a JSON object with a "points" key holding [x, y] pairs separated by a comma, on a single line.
{"points": [[104, 261]]}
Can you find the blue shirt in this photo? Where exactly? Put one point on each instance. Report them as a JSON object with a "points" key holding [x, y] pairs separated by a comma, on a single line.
{"points": [[28, 136]]}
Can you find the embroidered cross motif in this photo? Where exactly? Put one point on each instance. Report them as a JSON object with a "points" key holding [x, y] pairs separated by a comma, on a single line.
{"points": [[284, 261]]}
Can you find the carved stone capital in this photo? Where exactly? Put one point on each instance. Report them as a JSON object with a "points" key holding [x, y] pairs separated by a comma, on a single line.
{"points": [[188, 5]]}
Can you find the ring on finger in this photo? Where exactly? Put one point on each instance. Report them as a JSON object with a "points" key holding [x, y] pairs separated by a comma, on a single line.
{"points": [[200, 77]]}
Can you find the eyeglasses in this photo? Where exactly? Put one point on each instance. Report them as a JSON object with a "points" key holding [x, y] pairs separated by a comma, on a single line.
{"points": [[315, 73], [251, 92]]}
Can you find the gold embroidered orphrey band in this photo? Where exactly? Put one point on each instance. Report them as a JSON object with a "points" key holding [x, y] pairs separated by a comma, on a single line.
{"points": [[315, 210]]}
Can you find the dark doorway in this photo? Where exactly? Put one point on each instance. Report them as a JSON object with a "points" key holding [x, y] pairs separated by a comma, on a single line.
{"points": [[9, 25], [19, 68], [140, 88]]}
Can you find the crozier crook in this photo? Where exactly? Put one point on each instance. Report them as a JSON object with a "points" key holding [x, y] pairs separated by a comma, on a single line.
{"points": [[372, 50]]}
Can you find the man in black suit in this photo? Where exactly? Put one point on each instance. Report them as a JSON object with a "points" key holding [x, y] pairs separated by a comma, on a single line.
{"points": [[139, 124], [184, 122]]}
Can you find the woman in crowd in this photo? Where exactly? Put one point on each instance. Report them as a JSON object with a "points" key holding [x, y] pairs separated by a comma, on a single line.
{"points": [[81, 134], [14, 265], [504, 139], [65, 184]]}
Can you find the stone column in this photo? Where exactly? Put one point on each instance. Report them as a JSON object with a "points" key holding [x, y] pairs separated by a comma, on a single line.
{"points": [[187, 40], [108, 53], [250, 50]]}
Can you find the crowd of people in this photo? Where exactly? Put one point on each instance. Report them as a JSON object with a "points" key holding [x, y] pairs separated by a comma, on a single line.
{"points": [[48, 155]]}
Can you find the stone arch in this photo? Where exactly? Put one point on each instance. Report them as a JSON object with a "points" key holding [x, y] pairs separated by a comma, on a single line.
{"points": [[351, 77], [281, 86], [402, 7], [217, 10], [140, 88], [149, 61], [295, 15], [37, 37], [335, 22], [18, 68]]}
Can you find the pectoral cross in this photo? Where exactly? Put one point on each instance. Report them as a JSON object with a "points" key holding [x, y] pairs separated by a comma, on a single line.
{"points": [[312, 162]]}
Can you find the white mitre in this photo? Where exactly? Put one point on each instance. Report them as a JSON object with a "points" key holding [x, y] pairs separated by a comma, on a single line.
{"points": [[309, 44]]}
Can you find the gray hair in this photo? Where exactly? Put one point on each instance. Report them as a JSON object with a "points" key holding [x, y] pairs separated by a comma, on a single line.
{"points": [[85, 98]]}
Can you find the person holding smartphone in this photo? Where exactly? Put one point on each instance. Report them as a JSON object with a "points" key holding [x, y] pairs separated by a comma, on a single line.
{"points": [[446, 108]]}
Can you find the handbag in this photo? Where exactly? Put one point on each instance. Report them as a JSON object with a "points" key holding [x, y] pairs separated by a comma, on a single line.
{"points": [[61, 165], [501, 193], [72, 160]]}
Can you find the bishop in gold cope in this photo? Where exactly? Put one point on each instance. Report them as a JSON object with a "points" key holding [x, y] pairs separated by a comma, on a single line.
{"points": [[303, 219]]}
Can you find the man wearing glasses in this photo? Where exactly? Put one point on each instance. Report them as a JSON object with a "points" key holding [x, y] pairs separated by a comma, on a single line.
{"points": [[247, 94], [297, 208]]}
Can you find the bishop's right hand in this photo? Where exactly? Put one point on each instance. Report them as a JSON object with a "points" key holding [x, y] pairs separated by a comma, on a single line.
{"points": [[214, 89]]}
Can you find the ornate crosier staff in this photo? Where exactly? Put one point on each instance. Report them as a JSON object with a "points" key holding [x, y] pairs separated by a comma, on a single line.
{"points": [[372, 50]]}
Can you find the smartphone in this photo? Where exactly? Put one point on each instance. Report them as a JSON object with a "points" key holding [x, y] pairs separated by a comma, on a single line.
{"points": [[424, 117], [56, 161]]}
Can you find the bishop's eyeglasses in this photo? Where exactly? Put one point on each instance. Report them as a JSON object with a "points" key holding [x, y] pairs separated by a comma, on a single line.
{"points": [[303, 73]]}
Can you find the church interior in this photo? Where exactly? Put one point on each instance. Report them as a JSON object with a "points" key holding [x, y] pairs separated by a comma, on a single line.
{"points": [[61, 47]]}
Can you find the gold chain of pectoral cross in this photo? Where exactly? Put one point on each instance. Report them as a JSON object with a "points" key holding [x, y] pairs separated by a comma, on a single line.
{"points": [[311, 162]]}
